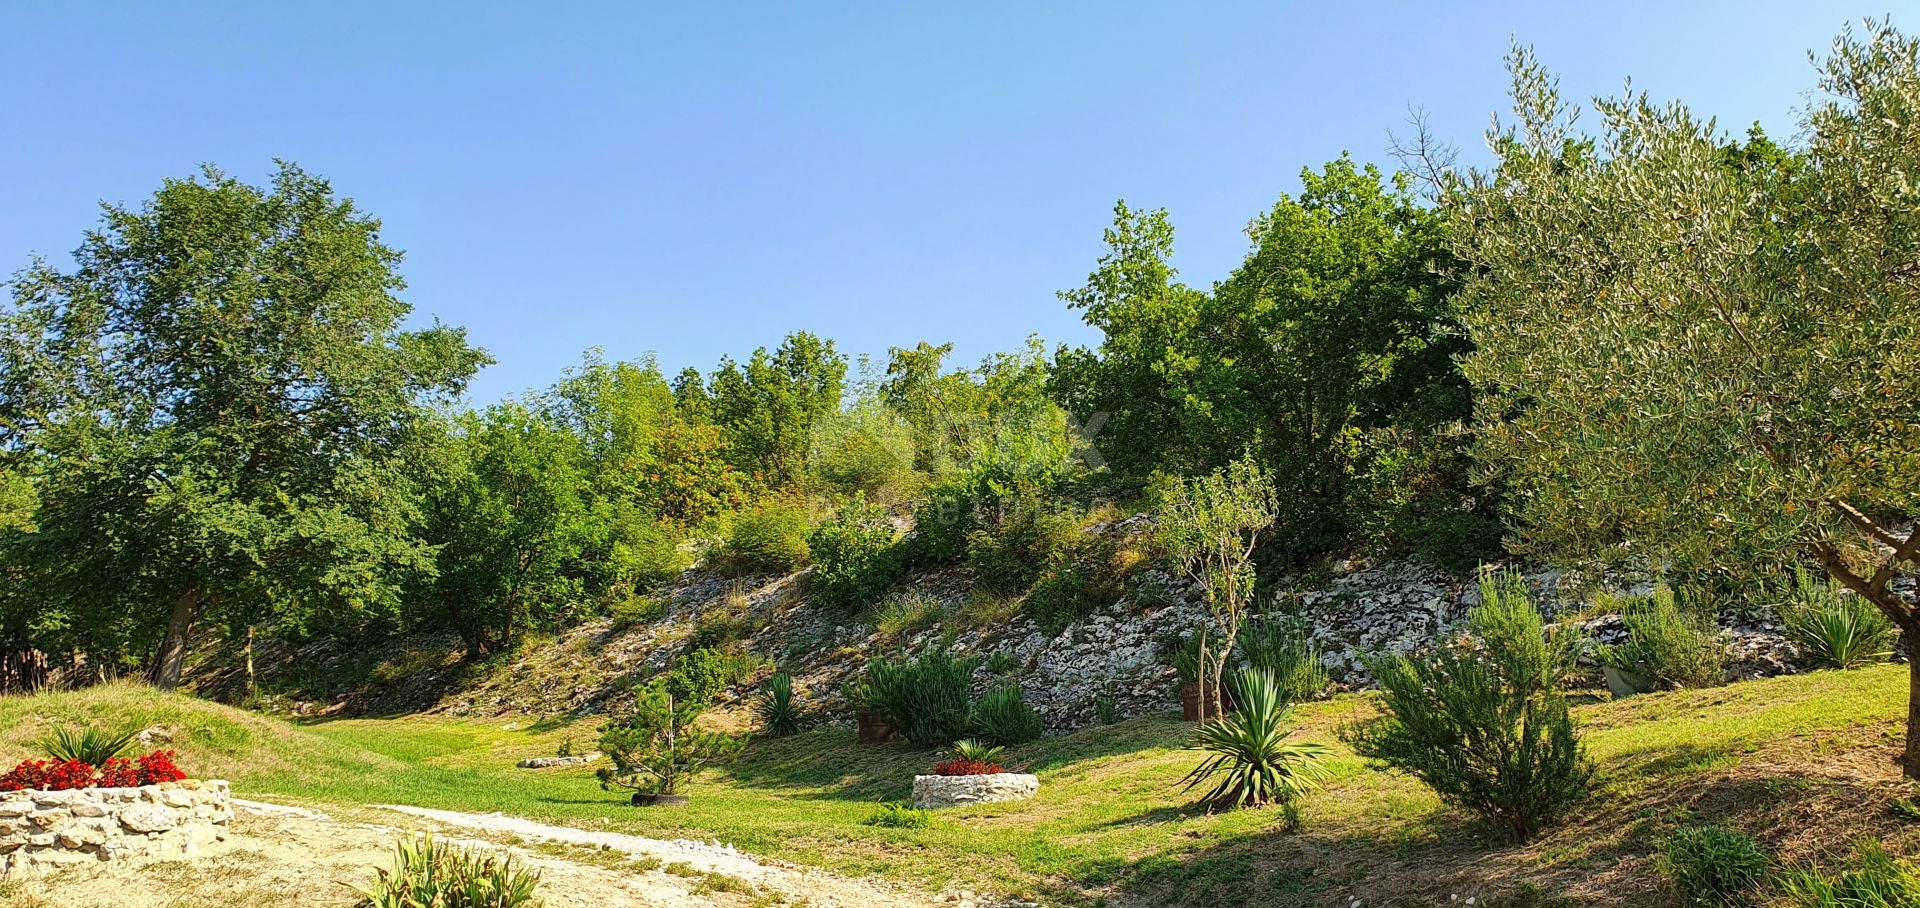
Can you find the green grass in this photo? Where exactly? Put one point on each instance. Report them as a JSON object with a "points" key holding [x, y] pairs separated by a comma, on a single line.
{"points": [[1110, 819]]}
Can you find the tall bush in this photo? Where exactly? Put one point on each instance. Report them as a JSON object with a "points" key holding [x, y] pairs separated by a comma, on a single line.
{"points": [[854, 562], [1002, 717], [769, 539], [1668, 642], [926, 697], [1480, 721]]}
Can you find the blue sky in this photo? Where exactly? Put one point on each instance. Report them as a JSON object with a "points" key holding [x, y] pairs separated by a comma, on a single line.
{"points": [[700, 179]]}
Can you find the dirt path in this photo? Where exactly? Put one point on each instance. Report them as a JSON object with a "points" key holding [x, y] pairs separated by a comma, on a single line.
{"points": [[278, 856]]}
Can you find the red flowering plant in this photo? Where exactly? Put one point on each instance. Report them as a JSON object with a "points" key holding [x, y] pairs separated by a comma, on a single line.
{"points": [[971, 758], [116, 772]]}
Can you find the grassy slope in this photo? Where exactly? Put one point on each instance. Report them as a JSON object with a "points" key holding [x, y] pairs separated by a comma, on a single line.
{"points": [[1803, 762]]}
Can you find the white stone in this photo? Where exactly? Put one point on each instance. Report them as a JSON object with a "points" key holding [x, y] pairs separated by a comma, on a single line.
{"points": [[148, 818], [935, 792]]}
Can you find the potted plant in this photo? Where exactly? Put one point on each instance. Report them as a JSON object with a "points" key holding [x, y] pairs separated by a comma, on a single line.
{"points": [[1185, 652], [874, 699], [659, 748]]}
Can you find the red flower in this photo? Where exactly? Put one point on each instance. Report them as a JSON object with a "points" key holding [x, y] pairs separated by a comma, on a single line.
{"points": [[967, 768], [158, 767], [119, 772], [43, 775]]}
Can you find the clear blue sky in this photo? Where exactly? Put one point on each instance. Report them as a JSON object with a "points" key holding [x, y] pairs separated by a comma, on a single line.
{"points": [[702, 178]]}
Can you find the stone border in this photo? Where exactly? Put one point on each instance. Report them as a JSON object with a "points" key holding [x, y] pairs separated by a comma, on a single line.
{"points": [[42, 829], [935, 792]]}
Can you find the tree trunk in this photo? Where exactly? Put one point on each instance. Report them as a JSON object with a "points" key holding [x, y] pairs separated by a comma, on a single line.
{"points": [[1910, 761], [173, 648]]}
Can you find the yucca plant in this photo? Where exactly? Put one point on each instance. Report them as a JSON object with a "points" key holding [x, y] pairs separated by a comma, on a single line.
{"points": [[1252, 763], [1834, 626], [89, 745], [430, 874], [977, 751], [779, 715]]}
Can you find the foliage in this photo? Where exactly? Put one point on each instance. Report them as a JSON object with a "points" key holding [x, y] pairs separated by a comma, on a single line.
{"points": [[1090, 574], [854, 560], [1283, 648], [907, 613], [635, 611], [768, 407], [659, 747], [1105, 710], [780, 716], [225, 419], [978, 751], [1530, 656], [996, 417], [1002, 716], [89, 744], [769, 539], [961, 766], [1666, 642], [926, 697], [1020, 534], [1692, 355], [865, 449], [1835, 626], [699, 676], [1711, 866], [1250, 761], [1876, 880], [431, 874], [1211, 526], [63, 773], [1481, 722], [899, 816]]}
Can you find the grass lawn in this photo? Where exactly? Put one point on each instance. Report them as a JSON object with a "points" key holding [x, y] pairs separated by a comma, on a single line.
{"points": [[1803, 762]]}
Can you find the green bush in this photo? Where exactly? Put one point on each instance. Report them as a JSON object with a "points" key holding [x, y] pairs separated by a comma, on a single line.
{"points": [[1250, 761], [770, 539], [1877, 880], [1833, 625], [642, 554], [900, 816], [925, 697], [1284, 648], [853, 556], [941, 525], [429, 873], [1027, 535], [699, 676], [1710, 866], [1667, 643], [779, 714], [1483, 724], [1003, 717], [634, 611]]}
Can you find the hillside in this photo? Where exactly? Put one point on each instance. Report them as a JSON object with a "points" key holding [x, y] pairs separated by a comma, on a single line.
{"points": [[1802, 762]]}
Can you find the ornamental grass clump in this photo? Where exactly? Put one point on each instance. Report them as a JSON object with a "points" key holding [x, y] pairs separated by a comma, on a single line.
{"points": [[1481, 721], [1709, 866], [1003, 717], [972, 758], [1877, 880], [1284, 647], [927, 698], [1250, 761], [430, 874]]}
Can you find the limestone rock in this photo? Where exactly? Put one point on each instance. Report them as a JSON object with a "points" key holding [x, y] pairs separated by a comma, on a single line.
{"points": [[935, 792], [148, 818]]}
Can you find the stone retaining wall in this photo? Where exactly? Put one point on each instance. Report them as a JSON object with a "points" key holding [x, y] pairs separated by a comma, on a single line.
{"points": [[41, 829]]}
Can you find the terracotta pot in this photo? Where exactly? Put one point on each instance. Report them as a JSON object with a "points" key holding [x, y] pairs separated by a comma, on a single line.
{"points": [[874, 728], [642, 799], [1190, 701]]}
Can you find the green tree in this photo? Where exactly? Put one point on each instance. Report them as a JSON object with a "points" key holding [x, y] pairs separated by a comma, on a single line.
{"points": [[1702, 360], [227, 411], [1211, 526], [768, 407]]}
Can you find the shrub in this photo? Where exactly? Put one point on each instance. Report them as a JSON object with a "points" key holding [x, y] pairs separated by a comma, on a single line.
{"points": [[1285, 649], [1003, 663], [854, 560], [770, 539], [429, 873], [1026, 536], [1666, 643], [90, 745], [634, 611], [1711, 866], [925, 697], [900, 816], [1250, 761], [1105, 710], [659, 747], [1482, 724], [941, 525], [1531, 657], [1834, 626], [906, 614], [1003, 717], [1878, 880], [698, 677], [779, 715], [642, 553]]}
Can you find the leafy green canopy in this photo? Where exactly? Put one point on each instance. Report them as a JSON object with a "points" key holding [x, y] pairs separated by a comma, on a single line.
{"points": [[223, 415]]}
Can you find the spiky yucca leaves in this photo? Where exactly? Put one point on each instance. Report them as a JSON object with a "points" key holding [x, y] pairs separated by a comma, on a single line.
{"points": [[779, 714], [977, 751], [89, 745], [1834, 626], [430, 874], [1251, 762]]}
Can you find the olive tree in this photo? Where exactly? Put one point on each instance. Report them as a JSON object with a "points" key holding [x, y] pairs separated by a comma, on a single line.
{"points": [[1211, 525], [1704, 356]]}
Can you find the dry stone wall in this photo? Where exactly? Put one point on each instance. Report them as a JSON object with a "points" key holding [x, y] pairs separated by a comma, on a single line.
{"points": [[42, 829]]}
